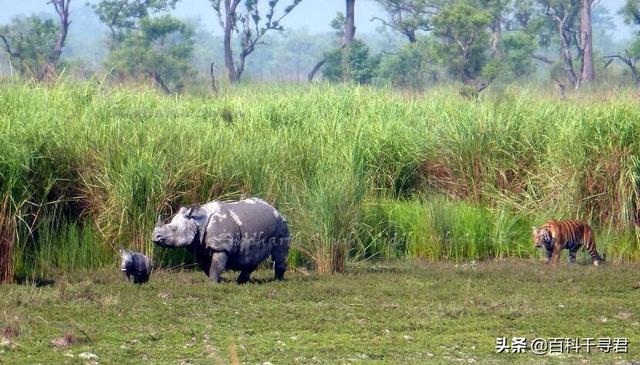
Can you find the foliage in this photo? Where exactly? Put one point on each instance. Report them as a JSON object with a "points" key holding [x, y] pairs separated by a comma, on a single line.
{"points": [[631, 54], [29, 42], [463, 31], [413, 66], [518, 49], [161, 50], [631, 12], [361, 66], [408, 17], [121, 16]]}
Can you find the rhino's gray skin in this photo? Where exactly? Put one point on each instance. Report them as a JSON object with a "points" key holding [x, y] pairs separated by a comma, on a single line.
{"points": [[135, 264], [229, 236]]}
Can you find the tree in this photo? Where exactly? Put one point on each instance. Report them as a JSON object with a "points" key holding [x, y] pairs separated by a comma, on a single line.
{"points": [[518, 49], [586, 42], [62, 10], [37, 44], [349, 23], [123, 15], [160, 50], [351, 64], [497, 11], [631, 12], [29, 42], [247, 23], [408, 16], [563, 14], [572, 20], [142, 46], [463, 31], [413, 66], [630, 55], [345, 29]]}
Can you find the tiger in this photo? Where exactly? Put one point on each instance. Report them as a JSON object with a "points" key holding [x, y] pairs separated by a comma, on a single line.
{"points": [[556, 235]]}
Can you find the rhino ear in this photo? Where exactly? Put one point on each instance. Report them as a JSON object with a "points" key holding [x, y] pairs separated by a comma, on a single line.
{"points": [[192, 209]]}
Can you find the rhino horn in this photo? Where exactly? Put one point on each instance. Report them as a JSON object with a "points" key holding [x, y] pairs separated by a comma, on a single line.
{"points": [[159, 221]]}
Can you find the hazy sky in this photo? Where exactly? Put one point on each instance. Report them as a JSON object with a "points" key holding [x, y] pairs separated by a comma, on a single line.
{"points": [[315, 15]]}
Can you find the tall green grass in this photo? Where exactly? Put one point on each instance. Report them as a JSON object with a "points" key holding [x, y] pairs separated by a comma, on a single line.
{"points": [[360, 173]]}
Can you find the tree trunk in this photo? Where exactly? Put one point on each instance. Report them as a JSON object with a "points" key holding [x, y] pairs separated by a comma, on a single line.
{"points": [[496, 39], [214, 86], [315, 70], [411, 35], [566, 54], [229, 11], [561, 88], [586, 40], [160, 82], [349, 24], [349, 35], [630, 62], [240, 68], [62, 9]]}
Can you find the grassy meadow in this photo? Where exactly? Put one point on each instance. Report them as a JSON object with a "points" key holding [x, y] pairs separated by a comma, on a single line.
{"points": [[424, 202], [394, 313], [361, 173]]}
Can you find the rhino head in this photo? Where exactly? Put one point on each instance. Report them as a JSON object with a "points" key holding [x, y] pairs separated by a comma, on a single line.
{"points": [[126, 259], [181, 231]]}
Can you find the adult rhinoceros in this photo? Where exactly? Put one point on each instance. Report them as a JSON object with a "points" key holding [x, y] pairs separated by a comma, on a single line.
{"points": [[229, 236]]}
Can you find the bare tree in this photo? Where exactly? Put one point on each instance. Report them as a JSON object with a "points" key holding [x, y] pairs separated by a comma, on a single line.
{"points": [[407, 16], [629, 59], [246, 23], [563, 14]]}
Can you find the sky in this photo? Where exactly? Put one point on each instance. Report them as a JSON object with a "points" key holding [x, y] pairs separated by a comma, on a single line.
{"points": [[314, 15]]}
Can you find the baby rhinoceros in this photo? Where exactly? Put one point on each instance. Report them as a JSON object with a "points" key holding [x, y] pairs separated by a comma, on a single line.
{"points": [[135, 264]]}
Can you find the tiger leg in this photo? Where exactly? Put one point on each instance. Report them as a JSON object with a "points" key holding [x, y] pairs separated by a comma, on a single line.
{"points": [[572, 255], [548, 253], [591, 248], [597, 259], [555, 255]]}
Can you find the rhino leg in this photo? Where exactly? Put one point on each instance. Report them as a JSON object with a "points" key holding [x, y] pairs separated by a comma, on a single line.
{"points": [[279, 254], [244, 276], [218, 263]]}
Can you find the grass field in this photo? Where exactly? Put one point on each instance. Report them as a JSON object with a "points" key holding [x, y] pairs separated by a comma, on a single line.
{"points": [[395, 313], [399, 193], [361, 173]]}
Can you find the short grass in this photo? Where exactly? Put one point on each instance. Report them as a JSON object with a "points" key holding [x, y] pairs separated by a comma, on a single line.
{"points": [[400, 313]]}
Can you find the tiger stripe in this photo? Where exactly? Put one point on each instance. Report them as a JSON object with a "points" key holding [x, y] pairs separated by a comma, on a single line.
{"points": [[556, 235]]}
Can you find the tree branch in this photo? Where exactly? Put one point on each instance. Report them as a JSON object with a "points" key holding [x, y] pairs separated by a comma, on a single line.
{"points": [[8, 48], [542, 59], [315, 69]]}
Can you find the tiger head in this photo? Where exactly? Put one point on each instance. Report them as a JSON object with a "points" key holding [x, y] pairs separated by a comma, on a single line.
{"points": [[541, 237]]}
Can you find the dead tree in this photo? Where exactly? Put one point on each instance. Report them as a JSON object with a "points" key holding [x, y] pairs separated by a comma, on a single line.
{"points": [[246, 23]]}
